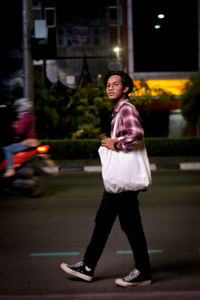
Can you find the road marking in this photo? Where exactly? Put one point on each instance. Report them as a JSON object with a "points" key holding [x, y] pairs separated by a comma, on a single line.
{"points": [[55, 254], [130, 251], [155, 251], [78, 253], [124, 252]]}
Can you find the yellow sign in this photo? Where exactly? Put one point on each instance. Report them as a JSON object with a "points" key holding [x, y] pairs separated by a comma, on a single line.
{"points": [[173, 86]]}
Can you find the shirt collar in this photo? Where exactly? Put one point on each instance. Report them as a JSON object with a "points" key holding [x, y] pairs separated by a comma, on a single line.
{"points": [[118, 106]]}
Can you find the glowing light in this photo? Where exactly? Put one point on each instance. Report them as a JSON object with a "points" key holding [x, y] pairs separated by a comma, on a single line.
{"points": [[157, 26], [116, 49], [174, 86], [43, 148], [161, 16]]}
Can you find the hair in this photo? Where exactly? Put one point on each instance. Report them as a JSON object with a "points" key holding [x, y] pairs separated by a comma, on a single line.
{"points": [[125, 78]]}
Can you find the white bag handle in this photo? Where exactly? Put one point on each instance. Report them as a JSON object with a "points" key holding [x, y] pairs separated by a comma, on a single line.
{"points": [[115, 126]]}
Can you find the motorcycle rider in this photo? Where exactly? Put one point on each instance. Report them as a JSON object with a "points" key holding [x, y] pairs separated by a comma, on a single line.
{"points": [[24, 128]]}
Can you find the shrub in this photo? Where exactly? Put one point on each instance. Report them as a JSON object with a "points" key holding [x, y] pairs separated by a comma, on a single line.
{"points": [[88, 148]]}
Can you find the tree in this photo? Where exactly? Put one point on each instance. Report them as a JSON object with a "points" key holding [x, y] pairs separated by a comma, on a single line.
{"points": [[52, 111], [45, 111], [190, 99], [93, 109]]}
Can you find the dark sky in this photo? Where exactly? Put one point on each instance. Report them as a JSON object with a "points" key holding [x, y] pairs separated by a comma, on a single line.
{"points": [[174, 46], [11, 24]]}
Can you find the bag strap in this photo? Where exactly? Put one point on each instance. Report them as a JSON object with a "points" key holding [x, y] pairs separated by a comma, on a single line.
{"points": [[117, 120], [115, 126]]}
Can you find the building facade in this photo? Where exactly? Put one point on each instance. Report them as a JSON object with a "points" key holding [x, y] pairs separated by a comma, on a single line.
{"points": [[154, 40]]}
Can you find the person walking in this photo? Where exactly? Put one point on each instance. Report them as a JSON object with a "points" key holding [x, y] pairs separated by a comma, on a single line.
{"points": [[125, 205]]}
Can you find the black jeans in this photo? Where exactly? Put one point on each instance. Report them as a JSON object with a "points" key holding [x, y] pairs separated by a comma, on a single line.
{"points": [[126, 206]]}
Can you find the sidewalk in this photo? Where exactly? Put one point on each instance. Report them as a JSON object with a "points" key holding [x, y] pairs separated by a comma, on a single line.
{"points": [[156, 163]]}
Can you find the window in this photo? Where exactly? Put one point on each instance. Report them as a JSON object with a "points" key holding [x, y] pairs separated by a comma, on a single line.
{"points": [[113, 13], [61, 37], [37, 14], [50, 16]]}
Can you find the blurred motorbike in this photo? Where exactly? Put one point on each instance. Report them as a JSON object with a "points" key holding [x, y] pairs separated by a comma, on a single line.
{"points": [[30, 177]]}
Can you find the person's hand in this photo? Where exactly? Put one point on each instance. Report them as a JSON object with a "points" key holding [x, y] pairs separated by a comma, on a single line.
{"points": [[103, 136], [109, 143]]}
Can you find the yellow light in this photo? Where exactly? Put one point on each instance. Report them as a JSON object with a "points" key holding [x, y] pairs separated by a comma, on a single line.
{"points": [[174, 86], [116, 49], [157, 26], [43, 148]]}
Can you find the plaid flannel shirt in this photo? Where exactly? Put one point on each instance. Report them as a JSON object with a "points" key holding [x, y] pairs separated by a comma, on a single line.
{"points": [[128, 125]]}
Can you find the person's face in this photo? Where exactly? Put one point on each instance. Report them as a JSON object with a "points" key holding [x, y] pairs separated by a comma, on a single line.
{"points": [[114, 88]]}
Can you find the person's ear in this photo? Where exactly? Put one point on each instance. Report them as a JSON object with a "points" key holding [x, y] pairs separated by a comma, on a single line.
{"points": [[125, 90]]}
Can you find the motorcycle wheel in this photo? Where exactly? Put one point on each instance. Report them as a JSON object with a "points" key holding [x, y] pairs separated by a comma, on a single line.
{"points": [[39, 180]]}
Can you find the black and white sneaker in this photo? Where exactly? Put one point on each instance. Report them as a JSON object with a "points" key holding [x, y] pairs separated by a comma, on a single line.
{"points": [[135, 278], [79, 270]]}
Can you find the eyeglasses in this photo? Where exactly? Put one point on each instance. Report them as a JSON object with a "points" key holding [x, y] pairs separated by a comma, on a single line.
{"points": [[114, 85]]}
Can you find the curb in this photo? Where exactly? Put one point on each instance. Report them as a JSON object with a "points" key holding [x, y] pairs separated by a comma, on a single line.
{"points": [[154, 167]]}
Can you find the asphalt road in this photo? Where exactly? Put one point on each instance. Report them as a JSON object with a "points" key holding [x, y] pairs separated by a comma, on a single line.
{"points": [[38, 234]]}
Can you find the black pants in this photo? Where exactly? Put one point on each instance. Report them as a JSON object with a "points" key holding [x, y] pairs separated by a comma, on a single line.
{"points": [[124, 205]]}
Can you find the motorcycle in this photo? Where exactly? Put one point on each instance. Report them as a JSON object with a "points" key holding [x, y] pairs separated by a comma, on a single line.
{"points": [[30, 177]]}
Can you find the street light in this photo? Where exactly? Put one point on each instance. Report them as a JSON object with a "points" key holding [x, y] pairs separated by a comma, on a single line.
{"points": [[157, 26], [117, 50], [161, 16]]}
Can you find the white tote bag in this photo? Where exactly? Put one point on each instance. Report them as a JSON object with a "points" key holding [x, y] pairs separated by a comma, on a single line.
{"points": [[125, 170]]}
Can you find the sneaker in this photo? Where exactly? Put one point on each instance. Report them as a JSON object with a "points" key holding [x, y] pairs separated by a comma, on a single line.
{"points": [[9, 173], [135, 278], [79, 270]]}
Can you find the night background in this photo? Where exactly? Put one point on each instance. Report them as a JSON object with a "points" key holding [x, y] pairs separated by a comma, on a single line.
{"points": [[60, 65]]}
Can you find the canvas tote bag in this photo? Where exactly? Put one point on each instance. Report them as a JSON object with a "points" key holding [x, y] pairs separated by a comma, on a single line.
{"points": [[125, 170]]}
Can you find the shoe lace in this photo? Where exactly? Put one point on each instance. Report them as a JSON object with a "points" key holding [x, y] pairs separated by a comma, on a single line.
{"points": [[135, 273], [79, 264]]}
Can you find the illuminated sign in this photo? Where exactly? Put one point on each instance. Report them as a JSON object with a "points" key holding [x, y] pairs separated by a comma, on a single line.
{"points": [[173, 86]]}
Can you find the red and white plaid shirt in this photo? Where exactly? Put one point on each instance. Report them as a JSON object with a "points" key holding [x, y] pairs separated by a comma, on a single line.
{"points": [[128, 125]]}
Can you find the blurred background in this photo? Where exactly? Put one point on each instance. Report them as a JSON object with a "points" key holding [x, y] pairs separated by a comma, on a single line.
{"points": [[57, 53]]}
